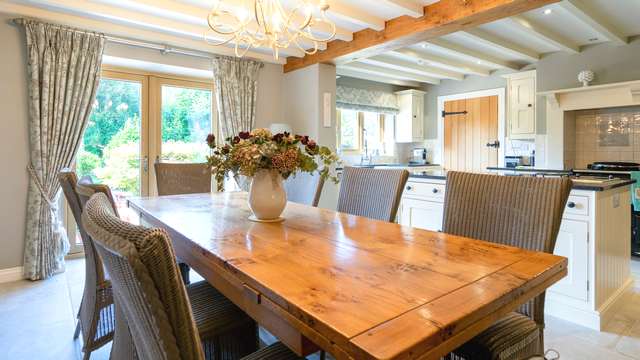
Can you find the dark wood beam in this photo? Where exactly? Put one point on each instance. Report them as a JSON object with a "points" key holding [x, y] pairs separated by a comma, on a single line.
{"points": [[441, 18]]}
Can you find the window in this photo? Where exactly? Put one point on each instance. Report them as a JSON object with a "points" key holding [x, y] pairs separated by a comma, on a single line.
{"points": [[137, 117], [363, 131]]}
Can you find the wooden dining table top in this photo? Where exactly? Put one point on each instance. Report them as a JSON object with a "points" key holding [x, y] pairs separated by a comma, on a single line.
{"points": [[356, 287]]}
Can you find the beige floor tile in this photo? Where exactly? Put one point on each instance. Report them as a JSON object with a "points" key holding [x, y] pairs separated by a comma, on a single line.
{"points": [[37, 320]]}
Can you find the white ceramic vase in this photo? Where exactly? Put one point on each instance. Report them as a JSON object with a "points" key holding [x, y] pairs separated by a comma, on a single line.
{"points": [[267, 198]]}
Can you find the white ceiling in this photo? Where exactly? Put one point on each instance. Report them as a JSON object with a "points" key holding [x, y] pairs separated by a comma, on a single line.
{"points": [[505, 44]]}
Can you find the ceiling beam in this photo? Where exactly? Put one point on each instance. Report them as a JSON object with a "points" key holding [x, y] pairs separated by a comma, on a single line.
{"points": [[407, 7], [412, 66], [442, 62], [480, 58], [592, 19], [503, 45], [377, 78], [545, 35], [443, 17], [118, 30], [379, 70], [355, 16]]}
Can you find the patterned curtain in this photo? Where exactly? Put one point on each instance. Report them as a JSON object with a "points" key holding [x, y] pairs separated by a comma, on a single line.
{"points": [[366, 100], [236, 87], [64, 71]]}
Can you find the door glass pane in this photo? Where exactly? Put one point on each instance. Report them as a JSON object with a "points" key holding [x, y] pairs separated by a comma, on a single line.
{"points": [[110, 151], [186, 122]]}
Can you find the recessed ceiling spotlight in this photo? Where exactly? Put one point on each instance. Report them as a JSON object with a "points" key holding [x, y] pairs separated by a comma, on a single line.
{"points": [[424, 45], [420, 62], [593, 39], [547, 11], [479, 62]]}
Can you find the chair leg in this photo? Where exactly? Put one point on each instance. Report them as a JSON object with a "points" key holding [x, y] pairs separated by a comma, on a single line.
{"points": [[77, 332], [323, 355], [184, 272]]}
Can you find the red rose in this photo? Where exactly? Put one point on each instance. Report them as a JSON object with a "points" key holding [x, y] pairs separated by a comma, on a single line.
{"points": [[211, 140], [236, 139], [244, 135], [311, 144]]}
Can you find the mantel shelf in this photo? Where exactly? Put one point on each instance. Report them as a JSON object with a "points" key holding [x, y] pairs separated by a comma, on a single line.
{"points": [[634, 84], [605, 95]]}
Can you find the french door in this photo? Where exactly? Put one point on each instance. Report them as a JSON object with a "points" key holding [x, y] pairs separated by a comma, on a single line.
{"points": [[136, 119]]}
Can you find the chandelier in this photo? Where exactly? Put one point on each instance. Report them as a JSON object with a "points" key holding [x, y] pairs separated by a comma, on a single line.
{"points": [[268, 24]]}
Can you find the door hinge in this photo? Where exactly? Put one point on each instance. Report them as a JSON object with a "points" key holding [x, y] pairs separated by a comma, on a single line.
{"points": [[587, 285], [445, 113]]}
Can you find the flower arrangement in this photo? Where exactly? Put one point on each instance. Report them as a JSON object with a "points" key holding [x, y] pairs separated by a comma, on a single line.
{"points": [[248, 152]]}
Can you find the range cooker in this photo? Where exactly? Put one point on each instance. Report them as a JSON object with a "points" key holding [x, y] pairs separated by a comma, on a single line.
{"points": [[618, 170]]}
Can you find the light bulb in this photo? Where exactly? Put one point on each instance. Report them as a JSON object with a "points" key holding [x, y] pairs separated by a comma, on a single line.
{"points": [[276, 21], [242, 14]]}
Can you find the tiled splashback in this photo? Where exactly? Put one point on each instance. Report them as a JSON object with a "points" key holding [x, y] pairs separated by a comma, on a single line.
{"points": [[602, 135]]}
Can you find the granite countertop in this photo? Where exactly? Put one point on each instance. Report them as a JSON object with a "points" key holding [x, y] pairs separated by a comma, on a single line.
{"points": [[582, 183]]}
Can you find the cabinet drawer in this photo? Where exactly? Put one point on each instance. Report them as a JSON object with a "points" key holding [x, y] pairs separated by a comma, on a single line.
{"points": [[577, 205], [426, 191]]}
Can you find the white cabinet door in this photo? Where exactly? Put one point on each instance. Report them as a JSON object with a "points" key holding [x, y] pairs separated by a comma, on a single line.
{"points": [[522, 107], [417, 121], [422, 214], [573, 243], [410, 118]]}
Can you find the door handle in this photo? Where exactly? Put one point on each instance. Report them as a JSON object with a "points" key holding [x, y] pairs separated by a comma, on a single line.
{"points": [[495, 144], [145, 164]]}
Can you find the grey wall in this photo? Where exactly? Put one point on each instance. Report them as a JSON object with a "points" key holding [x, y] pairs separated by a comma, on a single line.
{"points": [[14, 147], [610, 64], [14, 142], [303, 97], [451, 87]]}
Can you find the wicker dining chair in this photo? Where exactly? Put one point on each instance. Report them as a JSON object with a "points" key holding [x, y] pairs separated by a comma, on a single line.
{"points": [[373, 193], [304, 188], [525, 212], [161, 317], [182, 178], [96, 319]]}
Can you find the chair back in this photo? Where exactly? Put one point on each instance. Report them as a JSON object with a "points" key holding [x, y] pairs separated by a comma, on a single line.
{"points": [[519, 211], [182, 178], [86, 189], [147, 284], [373, 193], [304, 188], [94, 271]]}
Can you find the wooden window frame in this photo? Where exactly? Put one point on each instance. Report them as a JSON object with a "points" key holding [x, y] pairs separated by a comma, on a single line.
{"points": [[360, 133]]}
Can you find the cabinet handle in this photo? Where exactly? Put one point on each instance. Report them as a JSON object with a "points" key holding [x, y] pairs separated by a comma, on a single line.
{"points": [[409, 188], [571, 205], [530, 105], [435, 190]]}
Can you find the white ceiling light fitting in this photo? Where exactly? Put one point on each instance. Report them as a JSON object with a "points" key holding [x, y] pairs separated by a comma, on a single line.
{"points": [[548, 11], [277, 28]]}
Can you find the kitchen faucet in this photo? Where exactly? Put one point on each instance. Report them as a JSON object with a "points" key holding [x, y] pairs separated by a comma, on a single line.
{"points": [[366, 149]]}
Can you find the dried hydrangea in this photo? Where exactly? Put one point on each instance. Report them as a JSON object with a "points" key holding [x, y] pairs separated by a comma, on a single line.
{"points": [[249, 152]]}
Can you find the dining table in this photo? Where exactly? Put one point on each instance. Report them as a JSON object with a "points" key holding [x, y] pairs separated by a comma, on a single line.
{"points": [[355, 287]]}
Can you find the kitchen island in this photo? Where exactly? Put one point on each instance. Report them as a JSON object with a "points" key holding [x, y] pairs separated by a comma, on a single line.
{"points": [[594, 236]]}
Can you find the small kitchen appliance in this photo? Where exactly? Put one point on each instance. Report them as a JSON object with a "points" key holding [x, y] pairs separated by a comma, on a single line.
{"points": [[419, 157]]}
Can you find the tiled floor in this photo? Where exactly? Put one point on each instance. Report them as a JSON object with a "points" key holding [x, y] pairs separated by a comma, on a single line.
{"points": [[37, 320]]}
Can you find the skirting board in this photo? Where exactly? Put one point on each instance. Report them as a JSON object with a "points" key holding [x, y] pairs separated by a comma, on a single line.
{"points": [[595, 320], [11, 274]]}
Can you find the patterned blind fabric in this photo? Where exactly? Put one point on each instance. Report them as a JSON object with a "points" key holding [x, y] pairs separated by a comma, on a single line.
{"points": [[348, 98]]}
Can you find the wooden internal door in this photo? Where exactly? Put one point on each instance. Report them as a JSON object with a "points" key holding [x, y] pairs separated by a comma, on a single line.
{"points": [[471, 134]]}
